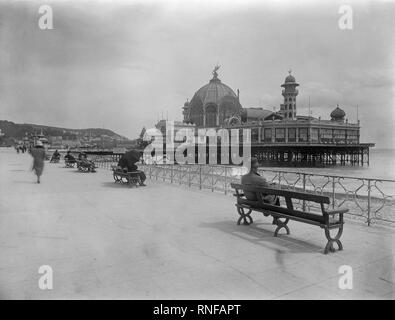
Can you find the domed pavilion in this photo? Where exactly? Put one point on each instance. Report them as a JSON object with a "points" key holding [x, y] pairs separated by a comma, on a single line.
{"points": [[213, 104]]}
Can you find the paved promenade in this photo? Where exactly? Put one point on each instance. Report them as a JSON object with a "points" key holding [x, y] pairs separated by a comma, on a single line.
{"points": [[104, 240]]}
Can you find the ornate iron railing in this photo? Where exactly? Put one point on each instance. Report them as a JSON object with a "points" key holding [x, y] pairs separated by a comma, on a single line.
{"points": [[373, 200]]}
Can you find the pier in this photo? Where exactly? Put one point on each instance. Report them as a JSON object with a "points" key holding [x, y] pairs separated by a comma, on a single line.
{"points": [[312, 154]]}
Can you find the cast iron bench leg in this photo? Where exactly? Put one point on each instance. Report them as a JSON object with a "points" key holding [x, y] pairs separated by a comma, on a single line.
{"points": [[115, 176], [246, 217], [280, 224], [329, 245], [131, 181]]}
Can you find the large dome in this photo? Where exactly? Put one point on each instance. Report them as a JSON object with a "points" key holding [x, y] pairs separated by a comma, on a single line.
{"points": [[213, 103], [214, 92]]}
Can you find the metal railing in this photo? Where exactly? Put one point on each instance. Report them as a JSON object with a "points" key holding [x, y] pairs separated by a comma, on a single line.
{"points": [[373, 200]]}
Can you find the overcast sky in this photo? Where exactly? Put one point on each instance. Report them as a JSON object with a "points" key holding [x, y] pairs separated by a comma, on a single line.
{"points": [[119, 65]]}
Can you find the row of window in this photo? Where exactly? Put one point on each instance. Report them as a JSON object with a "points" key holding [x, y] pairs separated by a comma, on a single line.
{"points": [[326, 135]]}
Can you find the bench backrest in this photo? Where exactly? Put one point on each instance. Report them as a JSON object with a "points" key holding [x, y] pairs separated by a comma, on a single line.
{"points": [[288, 194]]}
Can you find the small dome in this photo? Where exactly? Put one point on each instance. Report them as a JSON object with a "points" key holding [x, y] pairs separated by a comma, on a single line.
{"points": [[290, 78], [338, 114], [290, 82], [186, 104]]}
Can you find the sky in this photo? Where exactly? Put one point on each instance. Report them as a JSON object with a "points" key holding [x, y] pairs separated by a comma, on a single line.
{"points": [[122, 64]]}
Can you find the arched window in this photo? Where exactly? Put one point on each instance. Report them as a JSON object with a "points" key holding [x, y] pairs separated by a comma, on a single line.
{"points": [[290, 114], [227, 108], [211, 115], [196, 113]]}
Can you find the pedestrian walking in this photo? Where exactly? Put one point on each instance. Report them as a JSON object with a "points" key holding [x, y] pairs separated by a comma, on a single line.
{"points": [[38, 154]]}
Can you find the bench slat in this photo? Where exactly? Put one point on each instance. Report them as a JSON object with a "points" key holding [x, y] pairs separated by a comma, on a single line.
{"points": [[281, 192], [285, 211]]}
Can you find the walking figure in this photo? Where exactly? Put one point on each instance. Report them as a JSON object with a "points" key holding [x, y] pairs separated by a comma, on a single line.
{"points": [[38, 154]]}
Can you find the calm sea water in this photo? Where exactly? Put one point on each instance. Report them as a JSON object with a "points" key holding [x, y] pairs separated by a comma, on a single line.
{"points": [[382, 166]]}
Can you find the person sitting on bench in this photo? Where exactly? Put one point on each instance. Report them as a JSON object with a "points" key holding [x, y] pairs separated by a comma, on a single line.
{"points": [[128, 166], [82, 156], [55, 156], [69, 157], [255, 179]]}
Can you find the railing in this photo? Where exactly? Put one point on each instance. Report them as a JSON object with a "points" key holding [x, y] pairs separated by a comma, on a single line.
{"points": [[372, 200]]}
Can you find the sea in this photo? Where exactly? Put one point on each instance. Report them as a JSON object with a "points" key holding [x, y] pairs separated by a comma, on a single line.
{"points": [[381, 168]]}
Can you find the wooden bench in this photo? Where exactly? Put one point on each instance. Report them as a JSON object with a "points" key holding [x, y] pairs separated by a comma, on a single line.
{"points": [[69, 163], [85, 166], [325, 219], [54, 159], [131, 178]]}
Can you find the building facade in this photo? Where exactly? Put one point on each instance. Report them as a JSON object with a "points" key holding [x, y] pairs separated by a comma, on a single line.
{"points": [[215, 105], [282, 135]]}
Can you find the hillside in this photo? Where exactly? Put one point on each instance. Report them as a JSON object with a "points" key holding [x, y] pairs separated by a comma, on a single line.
{"points": [[18, 131]]}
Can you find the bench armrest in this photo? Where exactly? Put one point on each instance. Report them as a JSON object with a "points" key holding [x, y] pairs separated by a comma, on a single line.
{"points": [[238, 195], [332, 213], [339, 211]]}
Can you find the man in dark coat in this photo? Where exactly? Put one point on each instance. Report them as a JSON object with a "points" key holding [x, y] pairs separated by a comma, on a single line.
{"points": [[69, 157], [82, 156], [55, 156], [254, 178], [128, 165]]}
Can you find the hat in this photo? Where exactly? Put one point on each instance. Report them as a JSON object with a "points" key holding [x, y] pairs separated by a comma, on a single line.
{"points": [[39, 144], [254, 160]]}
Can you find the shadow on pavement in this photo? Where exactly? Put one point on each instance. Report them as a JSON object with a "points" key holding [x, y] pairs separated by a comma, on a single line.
{"points": [[116, 185], [263, 237]]}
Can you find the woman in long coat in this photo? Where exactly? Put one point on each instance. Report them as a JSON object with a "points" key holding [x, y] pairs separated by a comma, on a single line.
{"points": [[38, 154]]}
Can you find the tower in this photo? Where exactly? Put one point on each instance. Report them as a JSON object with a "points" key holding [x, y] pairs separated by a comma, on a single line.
{"points": [[288, 108]]}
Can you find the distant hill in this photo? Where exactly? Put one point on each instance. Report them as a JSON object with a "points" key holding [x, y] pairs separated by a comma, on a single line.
{"points": [[18, 131]]}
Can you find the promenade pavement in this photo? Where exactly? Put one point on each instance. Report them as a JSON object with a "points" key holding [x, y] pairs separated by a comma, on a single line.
{"points": [[105, 240]]}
